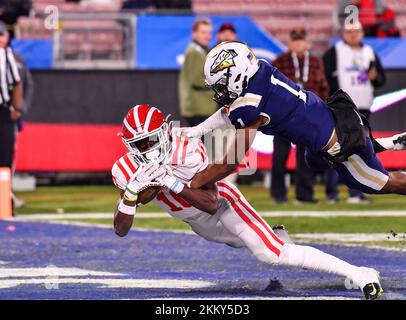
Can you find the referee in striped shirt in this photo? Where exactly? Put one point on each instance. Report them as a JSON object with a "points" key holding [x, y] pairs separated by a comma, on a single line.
{"points": [[10, 99]]}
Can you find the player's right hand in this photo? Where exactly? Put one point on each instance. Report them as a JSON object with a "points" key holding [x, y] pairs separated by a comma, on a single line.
{"points": [[148, 172], [144, 177]]}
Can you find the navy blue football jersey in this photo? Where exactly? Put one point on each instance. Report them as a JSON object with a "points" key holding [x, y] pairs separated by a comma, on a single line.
{"points": [[292, 112]]}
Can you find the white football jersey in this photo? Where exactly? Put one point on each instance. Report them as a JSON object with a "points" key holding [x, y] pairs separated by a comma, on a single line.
{"points": [[188, 156]]}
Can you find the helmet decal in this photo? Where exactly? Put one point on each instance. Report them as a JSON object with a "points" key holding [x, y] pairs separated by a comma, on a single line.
{"points": [[228, 68], [224, 60]]}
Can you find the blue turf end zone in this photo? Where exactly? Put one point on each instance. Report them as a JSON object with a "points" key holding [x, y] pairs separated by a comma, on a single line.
{"points": [[159, 256]]}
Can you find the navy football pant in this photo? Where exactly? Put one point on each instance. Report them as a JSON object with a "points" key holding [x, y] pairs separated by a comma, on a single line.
{"points": [[362, 171]]}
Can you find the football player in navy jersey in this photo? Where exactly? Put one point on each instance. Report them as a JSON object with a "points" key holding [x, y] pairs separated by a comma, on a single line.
{"points": [[257, 97]]}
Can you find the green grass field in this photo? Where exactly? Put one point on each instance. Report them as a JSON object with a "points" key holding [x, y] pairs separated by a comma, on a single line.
{"points": [[102, 199]]}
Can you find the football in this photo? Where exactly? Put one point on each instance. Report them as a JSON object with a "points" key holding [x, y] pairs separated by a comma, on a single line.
{"points": [[148, 194]]}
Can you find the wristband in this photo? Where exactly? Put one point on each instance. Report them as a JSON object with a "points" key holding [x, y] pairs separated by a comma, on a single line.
{"points": [[130, 195], [126, 209], [177, 186]]}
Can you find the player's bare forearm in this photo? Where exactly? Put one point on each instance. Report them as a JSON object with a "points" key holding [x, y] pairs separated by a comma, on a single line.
{"points": [[212, 174], [204, 199], [235, 154], [123, 222]]}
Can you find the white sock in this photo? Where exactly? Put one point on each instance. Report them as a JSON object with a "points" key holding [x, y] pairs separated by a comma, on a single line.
{"points": [[317, 260]]}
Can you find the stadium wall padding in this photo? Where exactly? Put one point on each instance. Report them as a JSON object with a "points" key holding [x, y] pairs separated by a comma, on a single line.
{"points": [[76, 115]]}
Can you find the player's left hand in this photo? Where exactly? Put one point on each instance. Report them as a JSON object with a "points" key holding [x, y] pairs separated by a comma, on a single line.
{"points": [[146, 176], [170, 181]]}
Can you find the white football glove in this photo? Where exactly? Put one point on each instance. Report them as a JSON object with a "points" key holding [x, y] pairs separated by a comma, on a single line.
{"points": [[143, 178], [171, 182]]}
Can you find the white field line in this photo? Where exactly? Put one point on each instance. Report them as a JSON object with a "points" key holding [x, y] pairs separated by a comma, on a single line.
{"points": [[160, 215], [12, 277], [49, 271], [348, 237], [113, 283]]}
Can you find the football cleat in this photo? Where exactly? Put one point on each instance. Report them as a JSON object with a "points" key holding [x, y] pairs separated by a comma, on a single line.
{"points": [[372, 291], [368, 281], [400, 142]]}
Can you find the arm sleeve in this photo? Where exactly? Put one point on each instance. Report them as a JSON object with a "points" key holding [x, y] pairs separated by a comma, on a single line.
{"points": [[216, 120], [244, 116], [245, 110], [381, 78]]}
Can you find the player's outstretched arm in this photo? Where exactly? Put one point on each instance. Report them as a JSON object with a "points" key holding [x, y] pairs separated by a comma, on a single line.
{"points": [[235, 154], [205, 199], [124, 215], [216, 120]]}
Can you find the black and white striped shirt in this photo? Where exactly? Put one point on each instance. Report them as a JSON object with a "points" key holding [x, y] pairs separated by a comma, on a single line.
{"points": [[9, 75]]}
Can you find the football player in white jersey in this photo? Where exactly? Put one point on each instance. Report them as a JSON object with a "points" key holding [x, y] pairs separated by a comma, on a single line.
{"points": [[164, 163]]}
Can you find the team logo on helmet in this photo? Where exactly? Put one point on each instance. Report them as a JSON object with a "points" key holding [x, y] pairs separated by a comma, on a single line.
{"points": [[224, 60]]}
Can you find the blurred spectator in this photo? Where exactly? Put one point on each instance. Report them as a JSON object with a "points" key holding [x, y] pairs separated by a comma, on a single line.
{"points": [[387, 26], [137, 4], [27, 84], [196, 102], [369, 11], [307, 70], [173, 4], [10, 99], [354, 67], [11, 10], [226, 32]]}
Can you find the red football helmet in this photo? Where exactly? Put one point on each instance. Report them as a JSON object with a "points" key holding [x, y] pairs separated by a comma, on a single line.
{"points": [[146, 134]]}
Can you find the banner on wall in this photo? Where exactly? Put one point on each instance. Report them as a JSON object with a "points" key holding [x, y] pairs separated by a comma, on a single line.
{"points": [[37, 54], [162, 40]]}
